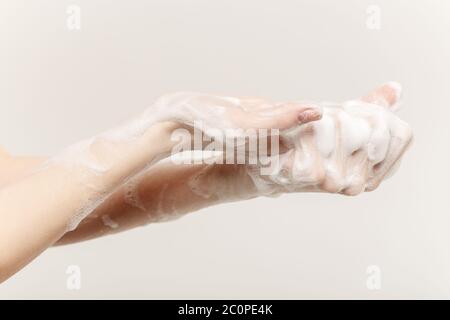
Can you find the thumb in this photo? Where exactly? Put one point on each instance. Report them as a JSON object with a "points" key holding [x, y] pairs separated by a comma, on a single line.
{"points": [[387, 95]]}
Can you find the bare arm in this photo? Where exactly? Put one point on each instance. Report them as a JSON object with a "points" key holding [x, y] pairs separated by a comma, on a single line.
{"points": [[169, 190], [36, 208], [55, 193], [163, 190]]}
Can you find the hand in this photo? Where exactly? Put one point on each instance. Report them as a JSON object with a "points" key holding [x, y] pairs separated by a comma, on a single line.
{"points": [[221, 112], [310, 161], [351, 149]]}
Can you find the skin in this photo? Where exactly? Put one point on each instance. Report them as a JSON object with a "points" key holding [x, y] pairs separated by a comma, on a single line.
{"points": [[54, 195], [58, 191], [163, 189]]}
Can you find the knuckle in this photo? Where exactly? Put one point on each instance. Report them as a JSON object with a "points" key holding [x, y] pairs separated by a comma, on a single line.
{"points": [[331, 185], [355, 188], [372, 185]]}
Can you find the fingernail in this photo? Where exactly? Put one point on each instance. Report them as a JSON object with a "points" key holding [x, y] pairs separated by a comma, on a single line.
{"points": [[309, 115]]}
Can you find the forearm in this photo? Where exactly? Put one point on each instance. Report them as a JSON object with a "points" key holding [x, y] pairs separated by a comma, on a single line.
{"points": [[36, 209], [163, 192]]}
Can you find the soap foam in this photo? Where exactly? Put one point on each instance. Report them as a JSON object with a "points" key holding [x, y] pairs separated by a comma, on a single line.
{"points": [[319, 151], [107, 221], [346, 131]]}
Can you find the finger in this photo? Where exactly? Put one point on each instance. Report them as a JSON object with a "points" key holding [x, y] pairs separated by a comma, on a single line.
{"points": [[251, 104], [401, 139], [387, 95], [394, 168], [334, 180], [356, 175], [282, 117], [307, 167]]}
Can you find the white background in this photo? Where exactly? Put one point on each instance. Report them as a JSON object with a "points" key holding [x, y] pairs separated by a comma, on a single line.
{"points": [[58, 86]]}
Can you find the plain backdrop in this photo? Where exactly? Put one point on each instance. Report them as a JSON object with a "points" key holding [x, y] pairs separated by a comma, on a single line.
{"points": [[59, 85]]}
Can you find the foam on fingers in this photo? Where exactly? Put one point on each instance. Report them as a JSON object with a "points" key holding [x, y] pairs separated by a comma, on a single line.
{"points": [[358, 143]]}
